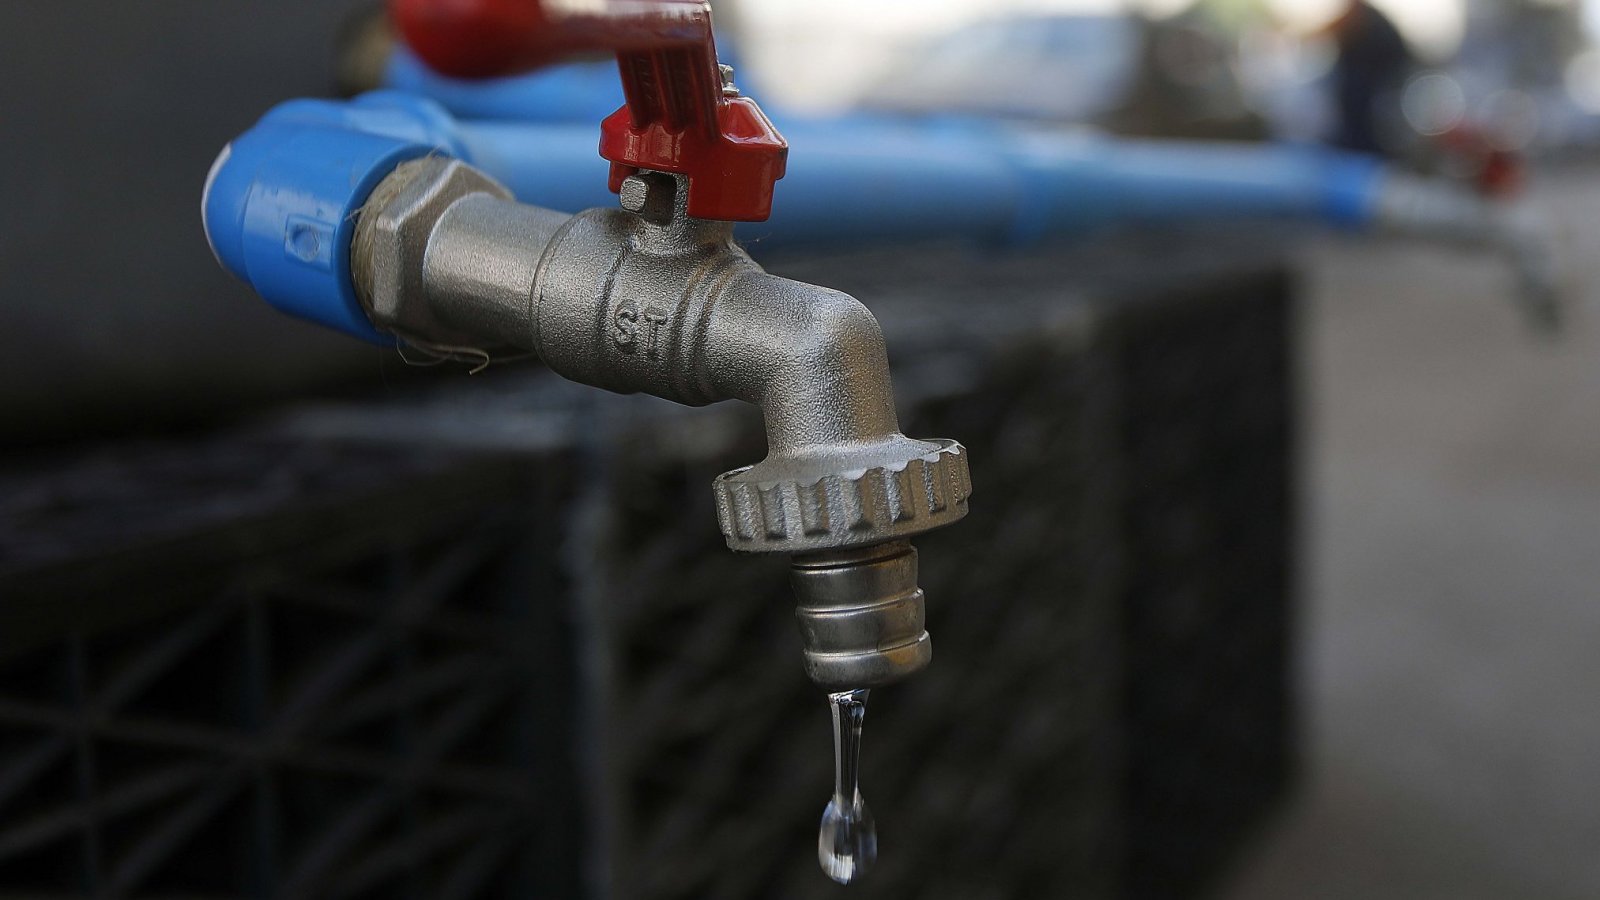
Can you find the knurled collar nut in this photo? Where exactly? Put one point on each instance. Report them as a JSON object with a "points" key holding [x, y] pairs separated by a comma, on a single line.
{"points": [[849, 509]]}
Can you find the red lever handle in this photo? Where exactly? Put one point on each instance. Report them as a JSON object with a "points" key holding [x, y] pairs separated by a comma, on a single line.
{"points": [[678, 118]]}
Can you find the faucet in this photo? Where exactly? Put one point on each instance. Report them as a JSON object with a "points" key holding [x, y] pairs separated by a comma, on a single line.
{"points": [[362, 215]]}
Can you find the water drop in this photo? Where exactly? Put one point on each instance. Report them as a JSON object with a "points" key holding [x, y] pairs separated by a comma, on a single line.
{"points": [[847, 843]]}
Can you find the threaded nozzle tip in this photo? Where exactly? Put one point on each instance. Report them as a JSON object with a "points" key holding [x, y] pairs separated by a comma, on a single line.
{"points": [[862, 617]]}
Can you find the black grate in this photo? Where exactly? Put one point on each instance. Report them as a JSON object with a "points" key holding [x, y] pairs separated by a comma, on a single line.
{"points": [[372, 718], [488, 643], [1207, 429]]}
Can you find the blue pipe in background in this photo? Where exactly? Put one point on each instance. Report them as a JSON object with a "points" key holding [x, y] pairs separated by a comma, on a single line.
{"points": [[282, 200], [901, 176], [871, 178]]}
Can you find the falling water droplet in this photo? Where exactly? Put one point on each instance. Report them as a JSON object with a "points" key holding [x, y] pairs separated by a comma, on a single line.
{"points": [[847, 844]]}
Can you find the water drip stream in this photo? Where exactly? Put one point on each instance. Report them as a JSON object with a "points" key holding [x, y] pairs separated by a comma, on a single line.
{"points": [[847, 843]]}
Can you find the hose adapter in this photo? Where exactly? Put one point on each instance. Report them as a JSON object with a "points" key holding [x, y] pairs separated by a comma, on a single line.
{"points": [[860, 609]]}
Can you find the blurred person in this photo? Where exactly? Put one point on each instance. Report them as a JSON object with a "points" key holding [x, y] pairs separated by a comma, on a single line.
{"points": [[1369, 73]]}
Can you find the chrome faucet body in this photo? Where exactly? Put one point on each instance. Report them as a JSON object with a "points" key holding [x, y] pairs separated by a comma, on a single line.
{"points": [[652, 300]]}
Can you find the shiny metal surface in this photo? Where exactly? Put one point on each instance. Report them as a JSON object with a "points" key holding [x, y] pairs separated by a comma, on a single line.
{"points": [[647, 299], [862, 615]]}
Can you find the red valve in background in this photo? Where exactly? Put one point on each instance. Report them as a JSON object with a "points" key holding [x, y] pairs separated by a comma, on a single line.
{"points": [[1470, 152], [678, 118]]}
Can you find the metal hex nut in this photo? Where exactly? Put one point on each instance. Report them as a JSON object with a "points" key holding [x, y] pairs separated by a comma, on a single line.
{"points": [[391, 244]]}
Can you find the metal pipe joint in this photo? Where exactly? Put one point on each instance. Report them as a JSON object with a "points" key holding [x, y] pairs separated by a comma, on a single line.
{"points": [[648, 299], [1438, 210]]}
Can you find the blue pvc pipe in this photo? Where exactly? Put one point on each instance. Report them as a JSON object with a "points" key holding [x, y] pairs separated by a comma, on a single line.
{"points": [[871, 179], [282, 199], [906, 177]]}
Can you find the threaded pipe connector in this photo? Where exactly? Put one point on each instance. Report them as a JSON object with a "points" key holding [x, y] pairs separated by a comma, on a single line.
{"points": [[862, 616]]}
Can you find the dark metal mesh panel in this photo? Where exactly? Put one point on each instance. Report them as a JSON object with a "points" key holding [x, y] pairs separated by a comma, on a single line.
{"points": [[992, 774], [360, 706], [363, 656], [1207, 430]]}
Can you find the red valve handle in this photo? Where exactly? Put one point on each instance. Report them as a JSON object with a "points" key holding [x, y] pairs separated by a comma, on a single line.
{"points": [[677, 117]]}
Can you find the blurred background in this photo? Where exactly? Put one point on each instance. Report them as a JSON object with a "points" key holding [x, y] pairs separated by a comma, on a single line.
{"points": [[1324, 590]]}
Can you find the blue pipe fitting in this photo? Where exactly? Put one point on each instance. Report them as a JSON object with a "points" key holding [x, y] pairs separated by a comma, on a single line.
{"points": [[281, 201]]}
